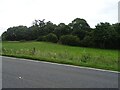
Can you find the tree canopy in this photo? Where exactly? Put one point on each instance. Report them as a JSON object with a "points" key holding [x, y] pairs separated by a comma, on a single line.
{"points": [[104, 35]]}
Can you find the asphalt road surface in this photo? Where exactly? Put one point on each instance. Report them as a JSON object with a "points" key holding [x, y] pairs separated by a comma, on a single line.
{"points": [[20, 73]]}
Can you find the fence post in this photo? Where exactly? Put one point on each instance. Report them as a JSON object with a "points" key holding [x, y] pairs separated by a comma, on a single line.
{"points": [[33, 52]]}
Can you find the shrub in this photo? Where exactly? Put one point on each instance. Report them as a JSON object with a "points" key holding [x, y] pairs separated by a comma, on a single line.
{"points": [[70, 40], [51, 38], [87, 42], [41, 38], [22, 40]]}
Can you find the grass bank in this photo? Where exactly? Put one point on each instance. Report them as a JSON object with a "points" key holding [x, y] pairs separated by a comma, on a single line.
{"points": [[80, 56]]}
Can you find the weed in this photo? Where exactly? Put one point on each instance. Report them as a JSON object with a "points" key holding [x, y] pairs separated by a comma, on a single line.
{"points": [[85, 58]]}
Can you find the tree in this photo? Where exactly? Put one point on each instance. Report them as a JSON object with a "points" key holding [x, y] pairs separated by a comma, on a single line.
{"points": [[4, 36], [51, 38], [78, 32], [117, 29], [70, 40], [80, 24], [88, 40], [20, 32], [79, 27], [62, 29], [49, 27], [38, 28], [11, 34], [39, 23], [105, 36], [15, 33]]}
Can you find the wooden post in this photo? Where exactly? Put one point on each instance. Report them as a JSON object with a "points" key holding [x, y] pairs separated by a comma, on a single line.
{"points": [[33, 52]]}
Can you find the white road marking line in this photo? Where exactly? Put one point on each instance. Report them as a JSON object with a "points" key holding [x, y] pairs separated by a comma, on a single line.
{"points": [[63, 64]]}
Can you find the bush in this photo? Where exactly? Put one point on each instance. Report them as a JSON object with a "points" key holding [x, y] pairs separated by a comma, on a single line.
{"points": [[41, 38], [87, 42], [51, 38], [70, 40], [22, 40]]}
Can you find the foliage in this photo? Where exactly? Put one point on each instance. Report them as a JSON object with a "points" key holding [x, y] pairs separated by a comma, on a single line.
{"points": [[104, 35], [51, 38], [62, 29], [41, 38], [69, 40]]}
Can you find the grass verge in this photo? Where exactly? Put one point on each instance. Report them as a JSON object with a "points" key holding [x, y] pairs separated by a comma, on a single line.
{"points": [[79, 56]]}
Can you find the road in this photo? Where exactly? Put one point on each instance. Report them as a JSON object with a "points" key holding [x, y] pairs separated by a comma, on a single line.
{"points": [[20, 73]]}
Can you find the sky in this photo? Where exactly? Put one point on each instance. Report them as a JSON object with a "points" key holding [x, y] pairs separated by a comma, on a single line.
{"points": [[24, 12]]}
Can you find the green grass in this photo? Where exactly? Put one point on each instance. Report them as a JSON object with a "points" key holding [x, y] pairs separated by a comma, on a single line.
{"points": [[80, 56]]}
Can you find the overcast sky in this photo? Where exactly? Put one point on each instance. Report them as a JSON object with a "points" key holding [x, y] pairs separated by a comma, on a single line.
{"points": [[24, 12]]}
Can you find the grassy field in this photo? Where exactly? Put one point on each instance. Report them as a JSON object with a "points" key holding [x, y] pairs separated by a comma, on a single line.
{"points": [[80, 56]]}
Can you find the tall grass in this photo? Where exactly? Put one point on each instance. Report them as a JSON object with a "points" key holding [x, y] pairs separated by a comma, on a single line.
{"points": [[80, 56]]}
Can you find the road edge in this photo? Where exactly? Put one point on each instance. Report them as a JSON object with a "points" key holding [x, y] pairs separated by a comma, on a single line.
{"points": [[62, 64]]}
